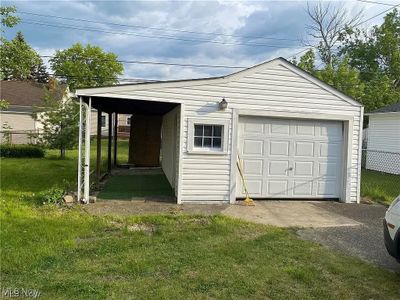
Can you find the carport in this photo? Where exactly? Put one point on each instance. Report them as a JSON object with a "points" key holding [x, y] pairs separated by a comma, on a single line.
{"points": [[155, 135]]}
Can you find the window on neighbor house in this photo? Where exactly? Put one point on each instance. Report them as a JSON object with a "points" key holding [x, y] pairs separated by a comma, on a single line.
{"points": [[103, 121], [208, 136], [128, 120]]}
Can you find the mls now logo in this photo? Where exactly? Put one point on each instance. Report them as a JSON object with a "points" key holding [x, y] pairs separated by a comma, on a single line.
{"points": [[19, 292]]}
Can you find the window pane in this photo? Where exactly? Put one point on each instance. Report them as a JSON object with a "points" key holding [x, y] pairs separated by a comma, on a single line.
{"points": [[207, 142], [207, 130], [198, 142], [198, 130], [217, 131], [217, 143], [103, 121]]}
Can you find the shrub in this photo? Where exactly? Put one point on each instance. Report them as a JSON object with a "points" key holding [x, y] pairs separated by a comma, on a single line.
{"points": [[53, 195], [19, 151]]}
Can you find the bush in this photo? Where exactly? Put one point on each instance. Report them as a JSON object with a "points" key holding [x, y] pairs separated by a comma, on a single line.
{"points": [[21, 151]]}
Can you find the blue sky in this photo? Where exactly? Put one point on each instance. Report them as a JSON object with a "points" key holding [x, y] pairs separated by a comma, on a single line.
{"points": [[236, 22]]}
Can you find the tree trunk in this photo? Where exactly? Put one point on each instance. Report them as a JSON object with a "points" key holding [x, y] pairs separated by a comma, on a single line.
{"points": [[62, 153]]}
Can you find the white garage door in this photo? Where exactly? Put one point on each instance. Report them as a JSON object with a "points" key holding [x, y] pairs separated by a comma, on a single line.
{"points": [[290, 158]]}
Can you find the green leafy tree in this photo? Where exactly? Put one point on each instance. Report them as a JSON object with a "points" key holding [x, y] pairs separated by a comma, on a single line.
{"points": [[18, 59], [7, 17], [59, 117], [376, 54], [87, 66], [339, 74]]}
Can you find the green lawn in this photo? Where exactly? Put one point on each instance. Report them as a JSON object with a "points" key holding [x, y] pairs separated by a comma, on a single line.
{"points": [[21, 177], [66, 253], [379, 187]]}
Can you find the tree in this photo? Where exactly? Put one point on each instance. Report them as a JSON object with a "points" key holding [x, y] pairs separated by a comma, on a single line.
{"points": [[327, 25], [39, 73], [7, 16], [340, 74], [59, 117], [17, 59], [88, 66], [376, 54]]}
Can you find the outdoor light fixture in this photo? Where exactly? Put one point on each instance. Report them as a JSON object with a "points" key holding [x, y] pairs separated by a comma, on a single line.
{"points": [[223, 104]]}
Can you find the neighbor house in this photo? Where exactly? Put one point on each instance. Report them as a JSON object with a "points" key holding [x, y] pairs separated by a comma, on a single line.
{"points": [[296, 137], [22, 96], [383, 140]]}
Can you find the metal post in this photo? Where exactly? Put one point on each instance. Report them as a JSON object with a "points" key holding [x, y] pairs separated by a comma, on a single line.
{"points": [[98, 160], [87, 152], [115, 137], [109, 141], [80, 152]]}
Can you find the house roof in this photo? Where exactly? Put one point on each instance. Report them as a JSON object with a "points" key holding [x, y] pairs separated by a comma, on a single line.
{"points": [[95, 91], [387, 109], [22, 93]]}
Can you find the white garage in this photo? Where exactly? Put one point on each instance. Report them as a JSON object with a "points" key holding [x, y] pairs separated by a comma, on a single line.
{"points": [[291, 158], [297, 137]]}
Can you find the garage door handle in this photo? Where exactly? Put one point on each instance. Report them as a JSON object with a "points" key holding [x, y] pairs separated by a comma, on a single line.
{"points": [[290, 169]]}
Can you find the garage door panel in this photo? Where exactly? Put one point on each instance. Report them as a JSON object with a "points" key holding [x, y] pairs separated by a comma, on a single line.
{"points": [[253, 127], [289, 158], [304, 168], [279, 148], [327, 188], [278, 168], [305, 129], [253, 147], [327, 169], [253, 166], [329, 150], [254, 187], [278, 187], [330, 130], [302, 188], [279, 127], [305, 149]]}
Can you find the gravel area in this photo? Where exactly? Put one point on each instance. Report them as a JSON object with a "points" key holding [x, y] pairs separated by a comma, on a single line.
{"points": [[365, 241]]}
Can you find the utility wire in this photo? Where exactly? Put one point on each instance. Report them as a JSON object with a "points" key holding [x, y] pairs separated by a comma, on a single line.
{"points": [[375, 2], [63, 25], [159, 63], [381, 13], [158, 28]]}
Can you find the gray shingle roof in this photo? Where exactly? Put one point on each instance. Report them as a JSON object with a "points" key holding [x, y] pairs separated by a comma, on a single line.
{"points": [[389, 108]]}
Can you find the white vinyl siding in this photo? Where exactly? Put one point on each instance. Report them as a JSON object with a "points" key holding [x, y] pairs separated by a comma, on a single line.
{"points": [[384, 136], [273, 87], [168, 145]]}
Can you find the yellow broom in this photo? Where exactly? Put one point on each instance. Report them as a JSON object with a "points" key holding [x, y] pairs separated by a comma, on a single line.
{"points": [[248, 201]]}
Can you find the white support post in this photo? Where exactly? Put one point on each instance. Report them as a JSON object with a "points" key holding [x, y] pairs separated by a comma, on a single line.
{"points": [[80, 152], [87, 152]]}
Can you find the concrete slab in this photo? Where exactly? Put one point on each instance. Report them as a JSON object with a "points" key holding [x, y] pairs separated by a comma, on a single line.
{"points": [[289, 214]]}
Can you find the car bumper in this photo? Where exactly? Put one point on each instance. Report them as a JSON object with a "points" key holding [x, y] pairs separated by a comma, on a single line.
{"points": [[391, 244]]}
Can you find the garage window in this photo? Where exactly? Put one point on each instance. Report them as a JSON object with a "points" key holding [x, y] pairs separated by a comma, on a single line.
{"points": [[207, 136]]}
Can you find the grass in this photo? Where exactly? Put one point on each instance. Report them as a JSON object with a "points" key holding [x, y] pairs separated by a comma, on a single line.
{"points": [[379, 187], [23, 177], [68, 254], [129, 186]]}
